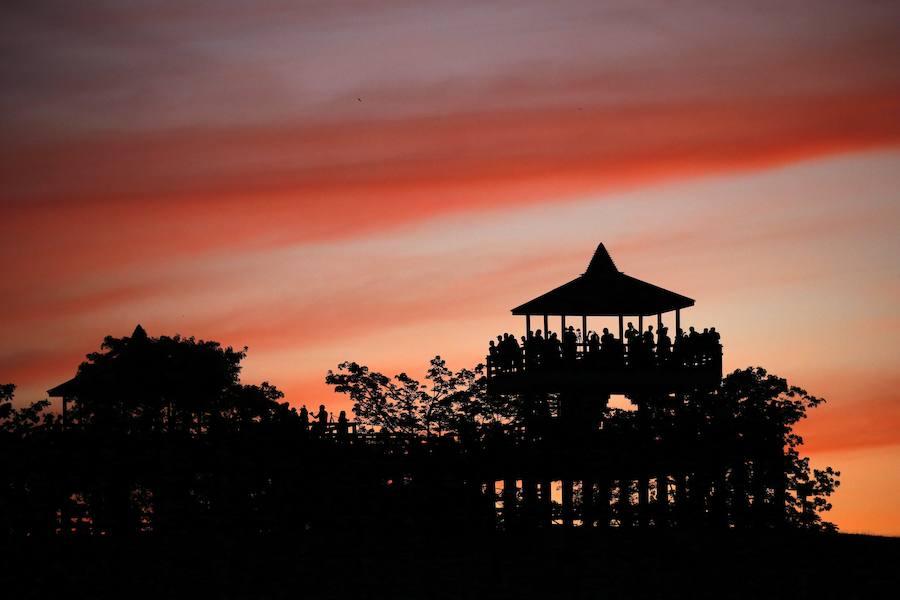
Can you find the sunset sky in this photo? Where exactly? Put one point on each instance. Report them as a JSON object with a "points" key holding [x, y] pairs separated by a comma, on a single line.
{"points": [[383, 182]]}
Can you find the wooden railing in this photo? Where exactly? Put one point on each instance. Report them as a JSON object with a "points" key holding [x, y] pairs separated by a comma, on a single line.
{"points": [[613, 359]]}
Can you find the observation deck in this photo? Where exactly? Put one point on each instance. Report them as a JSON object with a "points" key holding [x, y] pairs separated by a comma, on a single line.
{"points": [[621, 374], [636, 361]]}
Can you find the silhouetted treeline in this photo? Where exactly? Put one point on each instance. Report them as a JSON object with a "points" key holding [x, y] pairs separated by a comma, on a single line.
{"points": [[160, 438]]}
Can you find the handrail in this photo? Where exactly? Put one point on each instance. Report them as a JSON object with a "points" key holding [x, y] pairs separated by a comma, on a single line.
{"points": [[702, 355]]}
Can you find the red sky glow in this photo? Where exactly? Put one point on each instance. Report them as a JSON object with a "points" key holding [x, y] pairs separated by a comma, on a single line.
{"points": [[383, 182]]}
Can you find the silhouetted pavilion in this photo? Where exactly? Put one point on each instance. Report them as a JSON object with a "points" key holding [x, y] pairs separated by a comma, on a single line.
{"points": [[604, 291]]}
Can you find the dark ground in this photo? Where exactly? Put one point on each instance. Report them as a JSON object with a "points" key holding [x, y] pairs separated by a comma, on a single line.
{"points": [[547, 564]]}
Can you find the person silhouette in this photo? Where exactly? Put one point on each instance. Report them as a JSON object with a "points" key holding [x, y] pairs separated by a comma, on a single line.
{"points": [[663, 345], [540, 349], [569, 346], [515, 353], [343, 426], [304, 419], [321, 419]]}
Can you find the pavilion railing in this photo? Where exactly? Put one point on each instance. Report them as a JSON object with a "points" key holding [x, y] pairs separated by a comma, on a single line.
{"points": [[619, 359]]}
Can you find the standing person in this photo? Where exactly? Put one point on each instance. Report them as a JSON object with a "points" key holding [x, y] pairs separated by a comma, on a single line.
{"points": [[321, 420], [569, 346], [515, 353], [304, 420], [633, 341], [540, 349], [343, 426], [663, 345]]}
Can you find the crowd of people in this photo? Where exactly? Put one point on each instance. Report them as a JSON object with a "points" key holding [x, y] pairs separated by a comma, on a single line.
{"points": [[323, 421], [637, 349]]}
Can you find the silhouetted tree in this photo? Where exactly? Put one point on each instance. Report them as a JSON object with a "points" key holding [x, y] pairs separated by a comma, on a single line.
{"points": [[403, 404]]}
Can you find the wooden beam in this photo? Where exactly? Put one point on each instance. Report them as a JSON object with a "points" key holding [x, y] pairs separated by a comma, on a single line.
{"points": [[568, 494]]}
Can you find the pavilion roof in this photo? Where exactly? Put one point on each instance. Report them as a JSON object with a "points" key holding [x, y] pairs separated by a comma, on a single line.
{"points": [[603, 290], [64, 390]]}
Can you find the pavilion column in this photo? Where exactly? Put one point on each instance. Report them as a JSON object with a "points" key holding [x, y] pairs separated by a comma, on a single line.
{"points": [[584, 338], [641, 323], [546, 504], [658, 322], [568, 493], [621, 326], [530, 508], [601, 505], [562, 323], [677, 320], [509, 504], [662, 499], [624, 509], [527, 326], [546, 326], [587, 503]]}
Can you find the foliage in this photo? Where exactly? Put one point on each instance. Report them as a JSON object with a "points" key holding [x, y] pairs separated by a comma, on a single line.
{"points": [[448, 401]]}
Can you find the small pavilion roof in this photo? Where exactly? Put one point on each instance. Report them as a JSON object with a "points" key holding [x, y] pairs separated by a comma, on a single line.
{"points": [[64, 390], [604, 291]]}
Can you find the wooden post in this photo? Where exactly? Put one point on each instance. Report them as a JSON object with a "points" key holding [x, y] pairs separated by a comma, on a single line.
{"points": [[677, 320], [546, 501], [643, 497], [587, 503], [641, 324], [527, 326], [601, 504], [658, 322], [624, 504], [584, 338], [509, 504], [529, 503], [621, 327], [562, 322], [568, 493], [546, 327], [662, 499]]}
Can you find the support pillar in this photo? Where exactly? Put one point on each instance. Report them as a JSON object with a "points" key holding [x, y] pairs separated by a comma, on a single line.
{"points": [[546, 502], [509, 504], [527, 326], [662, 500], [601, 503], [587, 503], [621, 327], [529, 503], [546, 326], [623, 507], [677, 320], [568, 494], [643, 498]]}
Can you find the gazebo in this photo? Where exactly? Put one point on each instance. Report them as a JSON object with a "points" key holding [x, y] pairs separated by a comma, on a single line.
{"points": [[604, 291], [642, 366]]}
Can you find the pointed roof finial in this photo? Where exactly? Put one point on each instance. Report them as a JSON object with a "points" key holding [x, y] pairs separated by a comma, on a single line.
{"points": [[602, 263], [139, 333]]}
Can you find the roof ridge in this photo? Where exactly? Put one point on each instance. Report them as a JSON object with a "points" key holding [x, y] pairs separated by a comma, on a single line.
{"points": [[601, 263]]}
